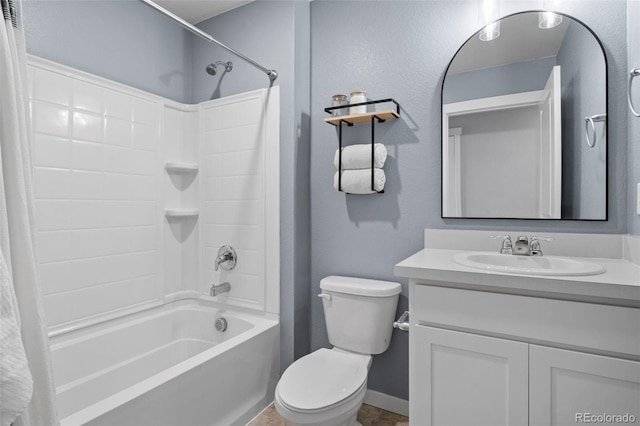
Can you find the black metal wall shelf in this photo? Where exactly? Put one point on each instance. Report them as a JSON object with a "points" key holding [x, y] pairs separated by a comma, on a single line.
{"points": [[351, 119]]}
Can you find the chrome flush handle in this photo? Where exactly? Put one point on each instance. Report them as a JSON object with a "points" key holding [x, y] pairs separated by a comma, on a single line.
{"points": [[325, 296]]}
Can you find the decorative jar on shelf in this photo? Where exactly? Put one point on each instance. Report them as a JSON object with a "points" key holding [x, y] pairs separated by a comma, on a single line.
{"points": [[356, 97], [337, 100]]}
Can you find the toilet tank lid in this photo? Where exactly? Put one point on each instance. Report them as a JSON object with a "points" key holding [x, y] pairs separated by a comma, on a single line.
{"points": [[360, 286]]}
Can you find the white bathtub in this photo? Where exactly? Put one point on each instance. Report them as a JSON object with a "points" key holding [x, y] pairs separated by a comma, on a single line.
{"points": [[167, 366]]}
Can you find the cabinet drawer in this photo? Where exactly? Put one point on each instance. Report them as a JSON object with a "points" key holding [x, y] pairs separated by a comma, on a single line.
{"points": [[603, 328]]}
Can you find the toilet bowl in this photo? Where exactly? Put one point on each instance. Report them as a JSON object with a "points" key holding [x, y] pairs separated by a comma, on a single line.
{"points": [[327, 387]]}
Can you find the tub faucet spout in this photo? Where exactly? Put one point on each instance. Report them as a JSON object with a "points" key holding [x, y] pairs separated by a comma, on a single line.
{"points": [[219, 289]]}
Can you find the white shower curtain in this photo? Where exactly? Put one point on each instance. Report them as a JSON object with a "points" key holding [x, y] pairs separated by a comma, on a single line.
{"points": [[26, 383]]}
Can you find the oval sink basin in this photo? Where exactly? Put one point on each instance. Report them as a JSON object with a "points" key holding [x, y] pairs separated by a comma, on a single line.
{"points": [[528, 265]]}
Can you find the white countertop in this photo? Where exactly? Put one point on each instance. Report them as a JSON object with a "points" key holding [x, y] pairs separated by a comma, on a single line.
{"points": [[619, 284]]}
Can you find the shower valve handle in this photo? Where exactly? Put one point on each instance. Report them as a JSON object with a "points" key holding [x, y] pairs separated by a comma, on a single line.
{"points": [[226, 258]]}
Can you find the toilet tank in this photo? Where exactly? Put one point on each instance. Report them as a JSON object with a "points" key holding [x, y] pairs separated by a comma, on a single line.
{"points": [[359, 313]]}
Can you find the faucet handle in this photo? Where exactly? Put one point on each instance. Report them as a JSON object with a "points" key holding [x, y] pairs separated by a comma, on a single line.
{"points": [[507, 245], [534, 247], [227, 258]]}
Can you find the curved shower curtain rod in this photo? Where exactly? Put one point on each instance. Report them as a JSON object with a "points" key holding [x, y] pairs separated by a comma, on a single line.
{"points": [[273, 74]]}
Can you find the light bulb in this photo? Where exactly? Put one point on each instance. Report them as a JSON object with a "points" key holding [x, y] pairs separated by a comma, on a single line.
{"points": [[488, 15], [548, 20], [490, 32]]}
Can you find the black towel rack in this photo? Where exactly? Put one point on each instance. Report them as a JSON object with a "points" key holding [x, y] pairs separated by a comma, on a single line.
{"points": [[351, 119]]}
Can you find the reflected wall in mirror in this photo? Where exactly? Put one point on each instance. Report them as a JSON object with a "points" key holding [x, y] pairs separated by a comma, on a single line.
{"points": [[519, 114]]}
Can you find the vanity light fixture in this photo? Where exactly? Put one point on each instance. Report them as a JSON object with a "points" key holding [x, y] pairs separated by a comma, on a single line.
{"points": [[490, 32], [489, 12], [547, 20]]}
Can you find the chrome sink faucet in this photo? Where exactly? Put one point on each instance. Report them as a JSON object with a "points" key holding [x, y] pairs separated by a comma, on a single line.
{"points": [[521, 247]]}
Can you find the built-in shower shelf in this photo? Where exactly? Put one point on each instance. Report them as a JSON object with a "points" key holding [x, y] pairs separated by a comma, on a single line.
{"points": [[181, 213], [180, 167]]}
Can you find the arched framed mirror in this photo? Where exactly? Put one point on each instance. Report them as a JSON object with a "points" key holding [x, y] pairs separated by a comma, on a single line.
{"points": [[524, 123]]}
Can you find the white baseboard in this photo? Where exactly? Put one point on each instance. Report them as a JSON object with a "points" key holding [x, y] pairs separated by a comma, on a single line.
{"points": [[387, 402]]}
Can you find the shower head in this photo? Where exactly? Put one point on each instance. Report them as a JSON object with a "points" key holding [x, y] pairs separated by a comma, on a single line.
{"points": [[212, 68]]}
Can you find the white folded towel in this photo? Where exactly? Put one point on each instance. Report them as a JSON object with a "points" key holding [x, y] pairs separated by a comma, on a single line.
{"points": [[359, 156], [16, 385], [359, 181]]}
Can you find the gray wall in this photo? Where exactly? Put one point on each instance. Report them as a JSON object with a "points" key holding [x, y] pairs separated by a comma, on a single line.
{"points": [[276, 35], [122, 40], [633, 26], [497, 81], [400, 50], [583, 94]]}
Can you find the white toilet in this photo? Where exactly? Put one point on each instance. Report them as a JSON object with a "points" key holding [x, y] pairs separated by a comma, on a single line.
{"points": [[327, 386]]}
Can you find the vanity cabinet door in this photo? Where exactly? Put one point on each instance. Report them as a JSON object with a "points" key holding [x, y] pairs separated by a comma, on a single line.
{"points": [[568, 386], [464, 379]]}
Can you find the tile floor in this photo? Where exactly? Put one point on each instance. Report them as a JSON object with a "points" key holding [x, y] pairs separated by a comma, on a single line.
{"points": [[368, 416]]}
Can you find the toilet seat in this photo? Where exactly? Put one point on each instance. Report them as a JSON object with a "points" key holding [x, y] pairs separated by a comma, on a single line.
{"points": [[338, 406], [321, 380]]}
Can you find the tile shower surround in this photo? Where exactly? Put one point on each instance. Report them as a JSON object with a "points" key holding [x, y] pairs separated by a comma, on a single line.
{"points": [[95, 152], [101, 190]]}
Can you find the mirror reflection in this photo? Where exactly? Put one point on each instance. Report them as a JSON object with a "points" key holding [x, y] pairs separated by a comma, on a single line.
{"points": [[524, 123]]}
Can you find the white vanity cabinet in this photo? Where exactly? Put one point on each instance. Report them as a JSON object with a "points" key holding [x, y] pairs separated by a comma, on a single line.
{"points": [[481, 357], [465, 379], [566, 386]]}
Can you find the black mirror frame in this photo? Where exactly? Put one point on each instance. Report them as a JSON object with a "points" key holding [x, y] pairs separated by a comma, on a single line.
{"points": [[606, 77]]}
